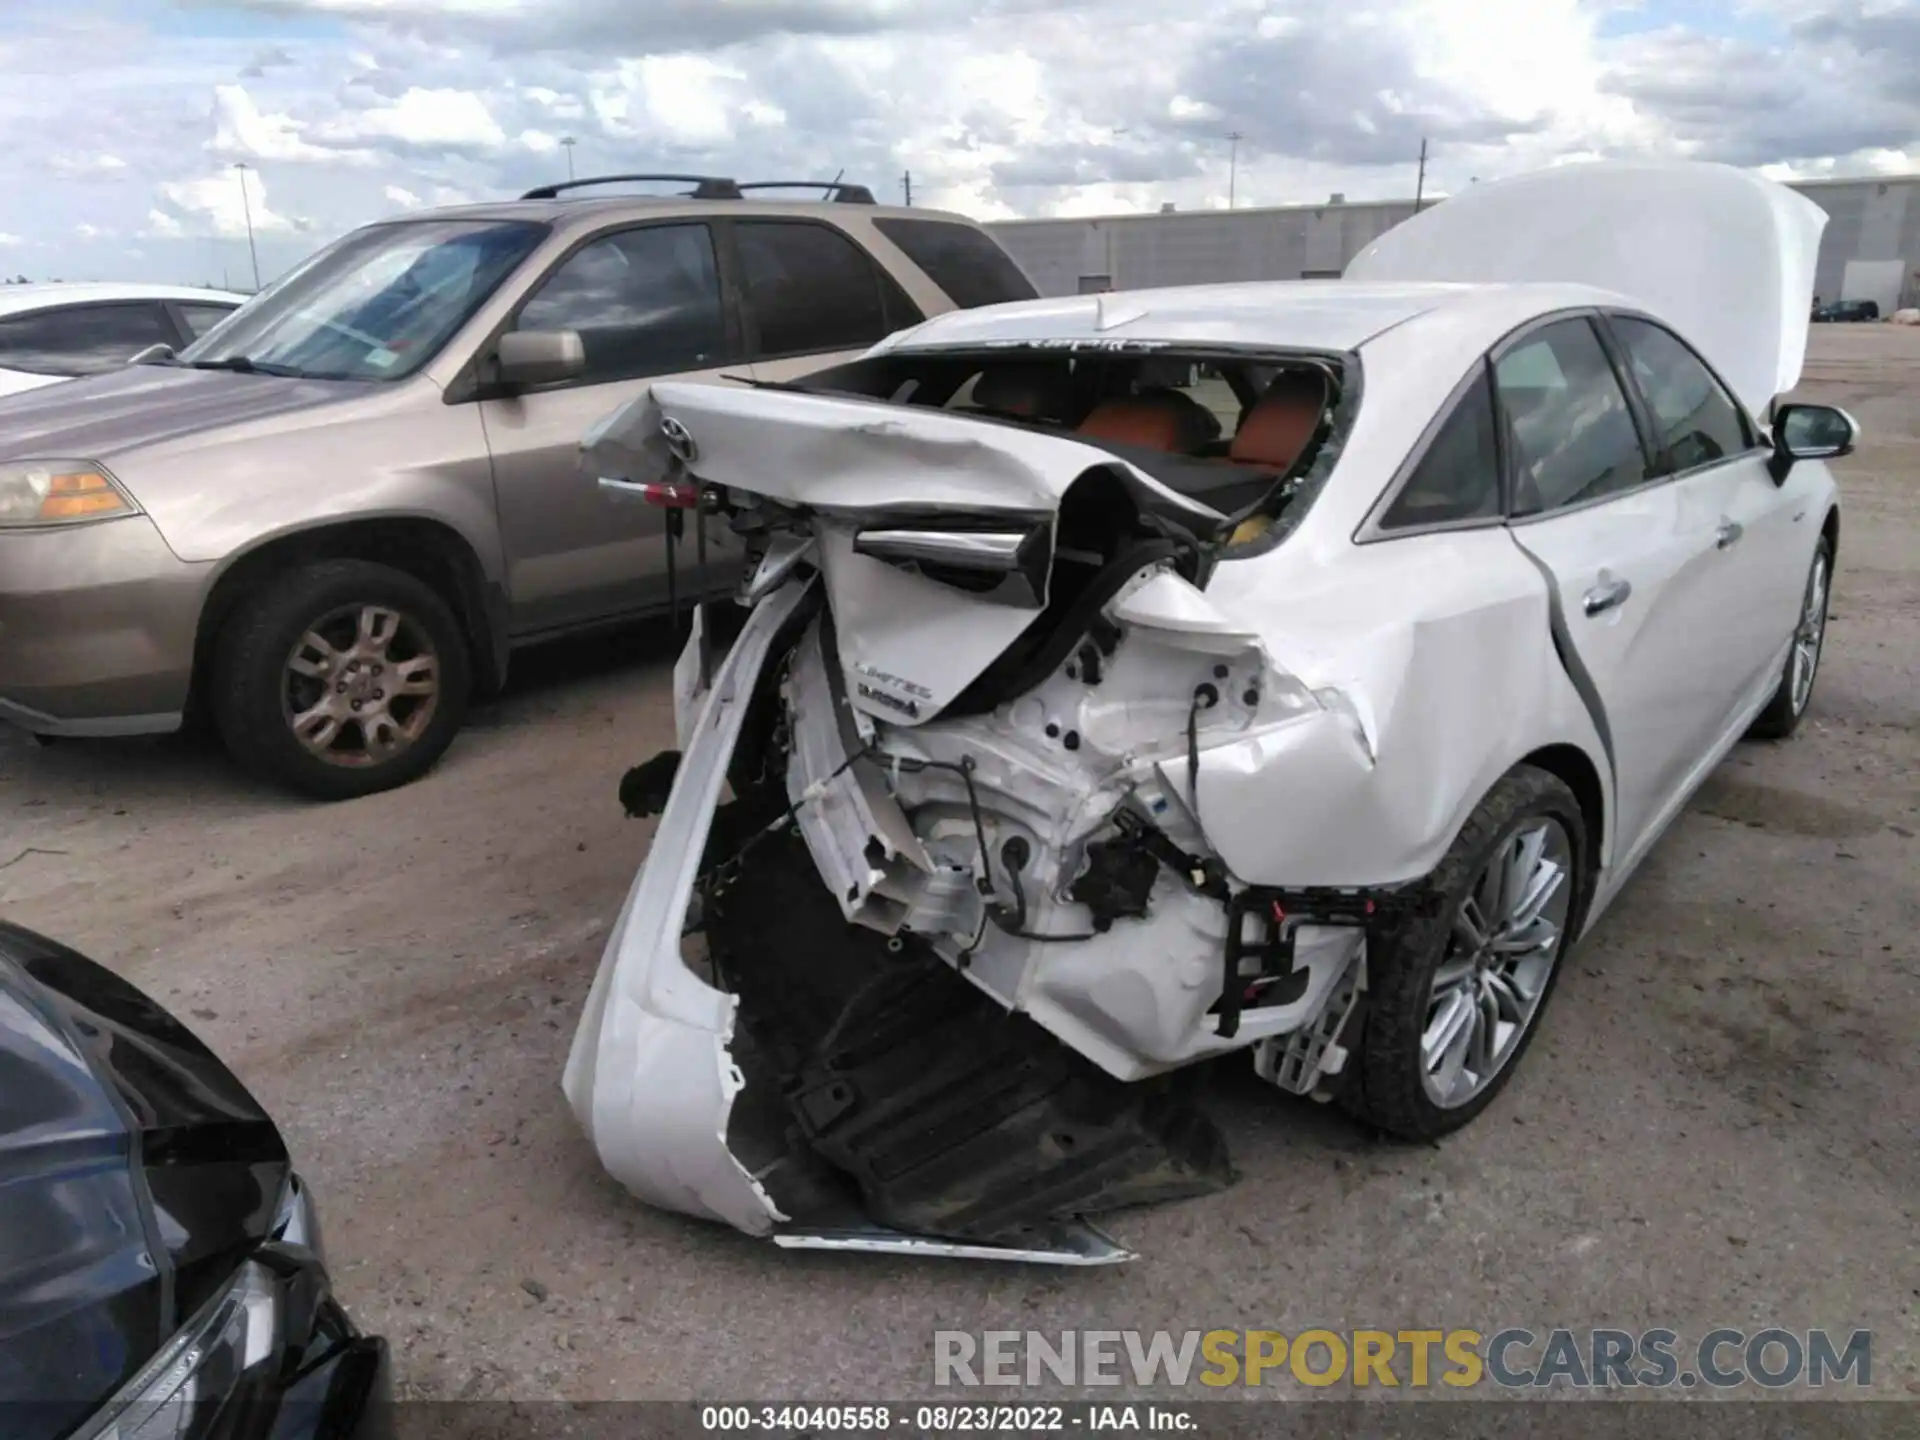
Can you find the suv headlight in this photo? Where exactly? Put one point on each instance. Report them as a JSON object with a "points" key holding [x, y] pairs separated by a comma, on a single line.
{"points": [[232, 1341], [59, 492]]}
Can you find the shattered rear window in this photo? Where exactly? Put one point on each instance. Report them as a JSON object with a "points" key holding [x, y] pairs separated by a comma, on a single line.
{"points": [[1235, 431]]}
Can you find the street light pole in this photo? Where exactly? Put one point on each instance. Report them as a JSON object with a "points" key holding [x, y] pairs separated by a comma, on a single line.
{"points": [[1233, 165], [569, 142], [246, 209]]}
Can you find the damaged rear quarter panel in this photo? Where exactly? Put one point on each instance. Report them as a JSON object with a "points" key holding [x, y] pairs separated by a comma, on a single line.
{"points": [[1433, 656]]}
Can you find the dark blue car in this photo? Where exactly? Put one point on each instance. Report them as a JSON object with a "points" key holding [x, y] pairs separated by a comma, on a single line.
{"points": [[161, 1271]]}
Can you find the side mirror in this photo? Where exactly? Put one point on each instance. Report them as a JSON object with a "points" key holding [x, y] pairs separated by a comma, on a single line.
{"points": [[152, 355], [539, 357], [1813, 432]]}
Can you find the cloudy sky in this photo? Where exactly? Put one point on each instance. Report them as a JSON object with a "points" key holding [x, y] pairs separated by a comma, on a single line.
{"points": [[121, 120]]}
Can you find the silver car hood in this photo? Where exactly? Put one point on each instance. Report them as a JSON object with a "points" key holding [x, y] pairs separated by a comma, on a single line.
{"points": [[107, 415]]}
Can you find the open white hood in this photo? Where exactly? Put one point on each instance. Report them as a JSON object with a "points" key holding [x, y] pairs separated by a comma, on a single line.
{"points": [[1725, 255]]}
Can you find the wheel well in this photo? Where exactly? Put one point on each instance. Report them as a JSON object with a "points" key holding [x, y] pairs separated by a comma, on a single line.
{"points": [[431, 552], [1570, 764]]}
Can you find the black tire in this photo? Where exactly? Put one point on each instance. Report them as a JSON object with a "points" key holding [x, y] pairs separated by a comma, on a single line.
{"points": [[1782, 716], [1387, 1090], [250, 696]]}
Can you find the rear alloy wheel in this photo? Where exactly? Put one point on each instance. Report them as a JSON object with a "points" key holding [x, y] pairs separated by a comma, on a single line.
{"points": [[345, 678], [1507, 936], [1456, 1001], [1789, 703]]}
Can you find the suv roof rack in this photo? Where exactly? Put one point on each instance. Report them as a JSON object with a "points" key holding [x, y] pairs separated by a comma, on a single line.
{"points": [[843, 194], [705, 187]]}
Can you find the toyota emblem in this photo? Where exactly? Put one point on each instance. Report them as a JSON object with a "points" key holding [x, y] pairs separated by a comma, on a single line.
{"points": [[679, 440]]}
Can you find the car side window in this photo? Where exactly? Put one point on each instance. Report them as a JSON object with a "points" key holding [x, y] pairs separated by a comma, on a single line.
{"points": [[1459, 476], [1695, 420], [201, 318], [644, 302], [809, 288], [78, 340], [1570, 433]]}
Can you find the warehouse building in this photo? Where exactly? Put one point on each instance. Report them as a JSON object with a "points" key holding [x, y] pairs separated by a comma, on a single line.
{"points": [[1870, 250]]}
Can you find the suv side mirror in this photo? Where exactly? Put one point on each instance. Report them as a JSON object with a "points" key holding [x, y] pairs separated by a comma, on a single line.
{"points": [[539, 357]]}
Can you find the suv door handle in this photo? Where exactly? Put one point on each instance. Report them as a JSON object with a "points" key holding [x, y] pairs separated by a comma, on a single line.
{"points": [[1728, 532], [1607, 595]]}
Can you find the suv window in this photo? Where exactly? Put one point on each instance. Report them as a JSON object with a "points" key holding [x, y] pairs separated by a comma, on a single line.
{"points": [[1573, 437], [644, 302], [810, 288], [966, 263], [81, 339], [1459, 476], [377, 304], [1695, 420]]}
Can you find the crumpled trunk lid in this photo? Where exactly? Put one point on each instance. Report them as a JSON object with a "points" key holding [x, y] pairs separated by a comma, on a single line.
{"points": [[895, 496]]}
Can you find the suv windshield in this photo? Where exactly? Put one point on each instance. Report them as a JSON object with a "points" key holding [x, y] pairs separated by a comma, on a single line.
{"points": [[376, 305]]}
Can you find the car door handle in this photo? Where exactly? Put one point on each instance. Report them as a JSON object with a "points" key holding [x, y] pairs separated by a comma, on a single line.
{"points": [[1607, 595], [1728, 532]]}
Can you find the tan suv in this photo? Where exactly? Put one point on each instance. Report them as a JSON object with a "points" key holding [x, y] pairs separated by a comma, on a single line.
{"points": [[334, 516]]}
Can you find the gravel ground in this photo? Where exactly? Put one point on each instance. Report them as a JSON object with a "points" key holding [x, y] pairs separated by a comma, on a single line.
{"points": [[1717, 1126]]}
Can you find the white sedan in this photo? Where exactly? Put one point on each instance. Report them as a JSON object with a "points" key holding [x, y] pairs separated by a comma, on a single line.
{"points": [[62, 331], [1131, 679]]}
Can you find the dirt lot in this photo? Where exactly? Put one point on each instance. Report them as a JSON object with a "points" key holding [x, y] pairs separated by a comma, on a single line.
{"points": [[1718, 1125]]}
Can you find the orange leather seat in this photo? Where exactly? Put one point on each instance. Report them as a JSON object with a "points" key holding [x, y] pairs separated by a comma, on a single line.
{"points": [[1166, 420], [1275, 431]]}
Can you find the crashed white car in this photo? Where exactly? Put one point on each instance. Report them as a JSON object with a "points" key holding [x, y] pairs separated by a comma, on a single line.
{"points": [[1131, 679]]}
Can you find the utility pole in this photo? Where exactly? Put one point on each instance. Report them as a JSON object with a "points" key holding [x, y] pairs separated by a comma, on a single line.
{"points": [[906, 186], [1233, 166], [1420, 184], [569, 142], [246, 209]]}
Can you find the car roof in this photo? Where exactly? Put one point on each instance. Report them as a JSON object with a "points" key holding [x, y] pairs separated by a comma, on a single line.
{"points": [[1327, 315], [14, 299], [574, 207]]}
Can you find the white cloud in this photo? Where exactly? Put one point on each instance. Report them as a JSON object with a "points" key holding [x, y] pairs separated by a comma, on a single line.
{"points": [[426, 119], [90, 232], [10, 240], [997, 107], [214, 206], [87, 166], [242, 130], [681, 99]]}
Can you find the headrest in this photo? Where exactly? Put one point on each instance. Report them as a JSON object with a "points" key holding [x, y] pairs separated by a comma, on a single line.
{"points": [[1282, 421], [1159, 420]]}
